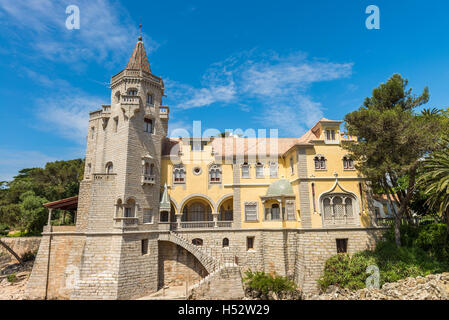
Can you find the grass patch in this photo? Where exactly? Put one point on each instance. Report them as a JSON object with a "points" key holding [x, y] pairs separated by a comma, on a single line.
{"points": [[12, 278], [264, 282]]}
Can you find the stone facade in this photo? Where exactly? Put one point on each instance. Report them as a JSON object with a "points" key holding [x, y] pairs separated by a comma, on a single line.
{"points": [[155, 212]]}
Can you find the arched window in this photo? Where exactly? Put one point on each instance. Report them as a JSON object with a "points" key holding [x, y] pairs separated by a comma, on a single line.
{"points": [[109, 168], [179, 174], [117, 97], [348, 163], [197, 241], [215, 173], [320, 162], [275, 212], [337, 208], [129, 208], [225, 242]]}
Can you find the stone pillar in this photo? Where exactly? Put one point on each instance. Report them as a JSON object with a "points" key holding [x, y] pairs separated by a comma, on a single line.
{"points": [[215, 216], [50, 211], [178, 221]]}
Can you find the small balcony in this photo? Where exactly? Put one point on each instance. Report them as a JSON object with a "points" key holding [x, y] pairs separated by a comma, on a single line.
{"points": [[125, 222], [148, 179]]}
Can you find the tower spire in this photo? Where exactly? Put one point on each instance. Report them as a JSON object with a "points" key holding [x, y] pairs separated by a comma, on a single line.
{"points": [[140, 30]]}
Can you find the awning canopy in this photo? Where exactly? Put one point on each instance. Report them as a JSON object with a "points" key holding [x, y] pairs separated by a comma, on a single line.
{"points": [[69, 204]]}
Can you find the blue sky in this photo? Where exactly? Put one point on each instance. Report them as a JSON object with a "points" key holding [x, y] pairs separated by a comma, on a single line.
{"points": [[231, 64]]}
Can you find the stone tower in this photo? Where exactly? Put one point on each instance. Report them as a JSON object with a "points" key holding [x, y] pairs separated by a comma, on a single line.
{"points": [[120, 194]]}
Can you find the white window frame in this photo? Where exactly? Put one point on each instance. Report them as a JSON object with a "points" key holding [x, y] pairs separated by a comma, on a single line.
{"points": [[246, 169], [274, 168], [252, 214], [260, 170]]}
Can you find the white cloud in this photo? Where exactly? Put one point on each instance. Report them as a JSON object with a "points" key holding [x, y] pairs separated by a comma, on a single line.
{"points": [[67, 114], [104, 29], [12, 161], [281, 85]]}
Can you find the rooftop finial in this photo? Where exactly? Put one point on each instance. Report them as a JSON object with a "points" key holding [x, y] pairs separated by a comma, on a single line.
{"points": [[140, 32]]}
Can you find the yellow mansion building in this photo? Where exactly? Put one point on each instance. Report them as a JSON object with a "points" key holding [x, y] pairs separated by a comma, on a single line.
{"points": [[153, 211]]}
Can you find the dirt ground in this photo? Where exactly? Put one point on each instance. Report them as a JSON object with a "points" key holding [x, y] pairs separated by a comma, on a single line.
{"points": [[14, 290]]}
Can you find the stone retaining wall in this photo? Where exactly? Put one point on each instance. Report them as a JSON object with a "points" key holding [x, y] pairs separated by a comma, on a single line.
{"points": [[21, 245]]}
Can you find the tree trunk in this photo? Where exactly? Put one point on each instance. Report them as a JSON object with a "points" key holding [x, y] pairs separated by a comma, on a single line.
{"points": [[12, 252], [397, 230]]}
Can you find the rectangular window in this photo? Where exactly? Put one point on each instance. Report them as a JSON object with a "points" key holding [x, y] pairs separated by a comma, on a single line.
{"points": [[245, 171], [259, 171], [251, 212], [330, 135], [92, 132], [249, 243], [144, 246], [197, 145], [128, 212], [147, 216], [342, 245], [148, 125], [115, 124], [149, 99], [273, 170], [291, 211], [292, 168]]}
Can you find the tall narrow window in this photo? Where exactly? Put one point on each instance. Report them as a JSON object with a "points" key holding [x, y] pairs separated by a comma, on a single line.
{"points": [[290, 206], [225, 242], [348, 163], [275, 212], [148, 125], [292, 168], [148, 216], [149, 99], [144, 246], [179, 174], [109, 168], [273, 169], [259, 170], [245, 170], [215, 173], [330, 135], [92, 132], [249, 243], [115, 124], [132, 92]]}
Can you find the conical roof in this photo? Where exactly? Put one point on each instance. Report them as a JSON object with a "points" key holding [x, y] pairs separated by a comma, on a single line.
{"points": [[165, 201], [139, 59]]}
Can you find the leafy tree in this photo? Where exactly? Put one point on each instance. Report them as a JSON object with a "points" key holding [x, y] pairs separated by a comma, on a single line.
{"points": [[435, 180], [392, 139], [33, 214]]}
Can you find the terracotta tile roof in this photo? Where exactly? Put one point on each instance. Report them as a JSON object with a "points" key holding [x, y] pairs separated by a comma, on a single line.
{"points": [[64, 204], [139, 59]]}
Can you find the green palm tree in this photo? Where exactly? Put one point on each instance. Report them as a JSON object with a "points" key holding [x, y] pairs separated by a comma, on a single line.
{"points": [[435, 180]]}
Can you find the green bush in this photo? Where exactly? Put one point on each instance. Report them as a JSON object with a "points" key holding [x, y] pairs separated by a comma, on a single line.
{"points": [[12, 277], [264, 282], [29, 256], [426, 253], [4, 229]]}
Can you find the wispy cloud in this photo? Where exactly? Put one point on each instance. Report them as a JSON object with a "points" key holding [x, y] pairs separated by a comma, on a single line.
{"points": [[280, 84], [14, 160], [105, 26]]}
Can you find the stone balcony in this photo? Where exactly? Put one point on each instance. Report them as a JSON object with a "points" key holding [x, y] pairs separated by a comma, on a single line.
{"points": [[192, 225], [148, 179], [125, 222]]}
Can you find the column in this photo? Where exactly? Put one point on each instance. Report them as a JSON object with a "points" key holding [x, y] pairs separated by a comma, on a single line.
{"points": [[215, 217]]}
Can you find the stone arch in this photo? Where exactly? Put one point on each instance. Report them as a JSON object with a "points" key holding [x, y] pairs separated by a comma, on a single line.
{"points": [[196, 196], [222, 200]]}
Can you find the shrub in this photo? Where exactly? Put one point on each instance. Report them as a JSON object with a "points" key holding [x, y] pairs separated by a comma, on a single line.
{"points": [[29, 256], [4, 229], [425, 255], [12, 277], [265, 283]]}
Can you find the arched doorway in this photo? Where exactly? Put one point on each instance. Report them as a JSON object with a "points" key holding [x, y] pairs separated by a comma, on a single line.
{"points": [[226, 212]]}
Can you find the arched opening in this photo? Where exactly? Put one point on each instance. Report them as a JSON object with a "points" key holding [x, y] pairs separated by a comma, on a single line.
{"points": [[109, 168], [197, 241], [337, 208], [197, 210], [130, 207], [225, 210], [178, 266], [225, 243]]}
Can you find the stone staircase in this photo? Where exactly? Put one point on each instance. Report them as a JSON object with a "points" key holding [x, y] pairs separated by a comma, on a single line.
{"points": [[224, 277]]}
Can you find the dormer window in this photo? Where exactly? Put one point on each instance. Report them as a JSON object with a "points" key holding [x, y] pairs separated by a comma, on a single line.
{"points": [[320, 162], [148, 125], [348, 163], [259, 170], [149, 99], [330, 135], [245, 170]]}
